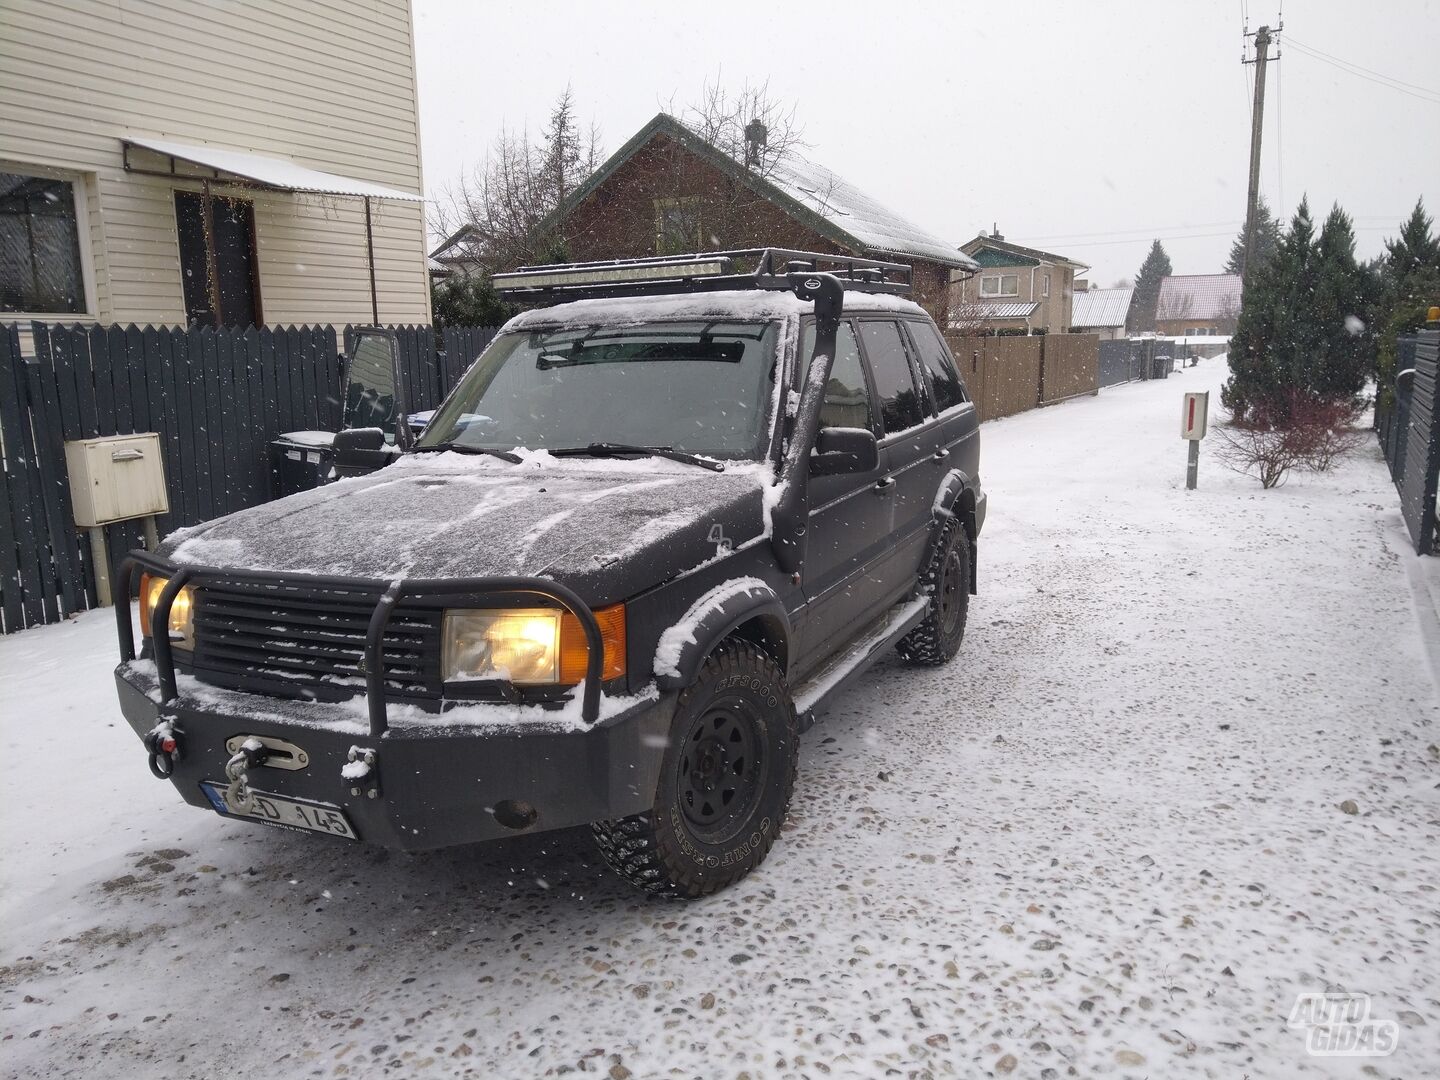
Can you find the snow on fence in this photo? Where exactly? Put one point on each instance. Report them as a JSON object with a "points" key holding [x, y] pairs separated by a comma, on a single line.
{"points": [[1408, 425], [1008, 375], [216, 398]]}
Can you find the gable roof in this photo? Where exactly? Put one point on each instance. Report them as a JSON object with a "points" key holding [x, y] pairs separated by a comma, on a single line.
{"points": [[1101, 307], [807, 191], [992, 251], [1199, 296], [443, 250]]}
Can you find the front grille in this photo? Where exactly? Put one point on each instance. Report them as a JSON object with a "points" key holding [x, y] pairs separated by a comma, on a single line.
{"points": [[309, 642]]}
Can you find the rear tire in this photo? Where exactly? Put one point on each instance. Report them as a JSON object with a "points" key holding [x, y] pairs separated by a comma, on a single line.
{"points": [[947, 579], [725, 783]]}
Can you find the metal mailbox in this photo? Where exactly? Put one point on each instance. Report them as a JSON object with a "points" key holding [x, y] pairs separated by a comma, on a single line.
{"points": [[116, 478]]}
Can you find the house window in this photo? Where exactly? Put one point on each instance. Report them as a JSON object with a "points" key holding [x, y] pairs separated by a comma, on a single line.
{"points": [[1000, 285], [40, 269], [1045, 285], [677, 226]]}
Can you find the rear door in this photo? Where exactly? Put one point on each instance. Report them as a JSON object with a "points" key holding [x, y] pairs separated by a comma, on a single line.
{"points": [[959, 420], [909, 454]]}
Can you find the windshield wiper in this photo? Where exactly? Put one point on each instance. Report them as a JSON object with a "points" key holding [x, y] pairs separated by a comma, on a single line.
{"points": [[610, 449], [462, 448]]}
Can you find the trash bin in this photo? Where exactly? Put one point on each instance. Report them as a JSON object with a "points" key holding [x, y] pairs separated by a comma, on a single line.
{"points": [[300, 461], [1163, 366]]}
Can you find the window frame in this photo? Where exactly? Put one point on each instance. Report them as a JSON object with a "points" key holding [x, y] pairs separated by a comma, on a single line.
{"points": [[80, 184], [682, 202], [1045, 286], [949, 357], [1000, 287], [922, 388], [798, 380]]}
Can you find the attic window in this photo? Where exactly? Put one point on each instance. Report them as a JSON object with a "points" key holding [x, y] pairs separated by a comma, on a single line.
{"points": [[1000, 285], [677, 226]]}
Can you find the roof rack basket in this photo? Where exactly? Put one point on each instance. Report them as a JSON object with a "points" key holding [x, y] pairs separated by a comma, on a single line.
{"points": [[750, 268]]}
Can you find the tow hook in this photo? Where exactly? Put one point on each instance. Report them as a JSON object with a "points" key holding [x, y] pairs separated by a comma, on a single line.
{"points": [[163, 744], [361, 773], [251, 755]]}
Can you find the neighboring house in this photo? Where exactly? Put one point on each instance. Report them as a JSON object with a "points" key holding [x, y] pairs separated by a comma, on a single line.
{"points": [[1101, 311], [668, 191], [1017, 288], [191, 162], [1198, 305], [459, 254]]}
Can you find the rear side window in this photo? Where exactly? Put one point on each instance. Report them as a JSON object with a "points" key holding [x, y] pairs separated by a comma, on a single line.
{"points": [[894, 384], [847, 398], [949, 390]]}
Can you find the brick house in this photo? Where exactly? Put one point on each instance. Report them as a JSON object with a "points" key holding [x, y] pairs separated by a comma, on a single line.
{"points": [[1017, 289], [668, 191], [1198, 305]]}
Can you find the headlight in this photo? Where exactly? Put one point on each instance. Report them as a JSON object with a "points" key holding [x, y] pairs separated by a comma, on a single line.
{"points": [[182, 610], [528, 646]]}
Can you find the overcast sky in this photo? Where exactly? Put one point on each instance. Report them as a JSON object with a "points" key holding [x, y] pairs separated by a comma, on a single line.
{"points": [[1084, 128]]}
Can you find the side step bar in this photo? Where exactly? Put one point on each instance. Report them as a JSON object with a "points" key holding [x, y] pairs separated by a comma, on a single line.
{"points": [[812, 695]]}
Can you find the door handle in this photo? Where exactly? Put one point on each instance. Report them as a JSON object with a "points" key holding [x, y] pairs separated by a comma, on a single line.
{"points": [[884, 484], [942, 454]]}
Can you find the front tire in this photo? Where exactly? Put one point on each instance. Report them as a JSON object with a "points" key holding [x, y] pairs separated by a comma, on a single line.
{"points": [[725, 783], [947, 579]]}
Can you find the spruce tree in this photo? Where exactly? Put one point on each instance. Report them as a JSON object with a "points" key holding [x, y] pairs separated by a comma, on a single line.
{"points": [[1415, 249], [1274, 327], [1147, 288], [1267, 239], [1341, 309]]}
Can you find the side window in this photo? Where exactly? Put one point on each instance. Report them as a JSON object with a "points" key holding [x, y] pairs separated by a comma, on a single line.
{"points": [[847, 398], [949, 390], [894, 384]]}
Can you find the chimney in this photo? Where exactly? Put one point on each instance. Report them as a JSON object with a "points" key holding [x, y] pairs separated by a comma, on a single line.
{"points": [[755, 135], [995, 231]]}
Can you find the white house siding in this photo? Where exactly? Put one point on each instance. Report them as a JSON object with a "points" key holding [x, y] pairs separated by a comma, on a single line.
{"points": [[327, 83]]}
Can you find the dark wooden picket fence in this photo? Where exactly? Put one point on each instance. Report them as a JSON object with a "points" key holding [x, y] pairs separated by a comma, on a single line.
{"points": [[216, 398]]}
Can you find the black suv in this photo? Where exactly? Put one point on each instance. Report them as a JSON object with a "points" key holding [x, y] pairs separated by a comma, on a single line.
{"points": [[659, 521]]}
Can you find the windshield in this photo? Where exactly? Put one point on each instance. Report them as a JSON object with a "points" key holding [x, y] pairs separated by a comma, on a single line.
{"points": [[702, 387]]}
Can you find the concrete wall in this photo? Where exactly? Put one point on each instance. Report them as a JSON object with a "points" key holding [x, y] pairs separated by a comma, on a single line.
{"points": [[331, 87]]}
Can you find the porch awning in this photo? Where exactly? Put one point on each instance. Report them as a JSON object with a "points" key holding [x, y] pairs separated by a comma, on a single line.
{"points": [[278, 174]]}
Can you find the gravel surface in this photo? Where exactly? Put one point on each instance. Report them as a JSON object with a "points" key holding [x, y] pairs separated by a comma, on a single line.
{"points": [[1107, 841]]}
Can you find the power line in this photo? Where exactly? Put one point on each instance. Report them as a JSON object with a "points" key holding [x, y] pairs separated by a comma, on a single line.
{"points": [[1421, 93], [1368, 71]]}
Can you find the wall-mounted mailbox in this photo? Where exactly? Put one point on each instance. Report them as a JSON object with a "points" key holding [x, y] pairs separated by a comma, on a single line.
{"points": [[116, 479]]}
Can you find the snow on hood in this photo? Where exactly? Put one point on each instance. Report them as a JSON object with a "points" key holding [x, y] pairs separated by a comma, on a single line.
{"points": [[579, 521]]}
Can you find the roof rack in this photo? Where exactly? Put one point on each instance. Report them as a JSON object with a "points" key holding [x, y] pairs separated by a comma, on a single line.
{"points": [[710, 271]]}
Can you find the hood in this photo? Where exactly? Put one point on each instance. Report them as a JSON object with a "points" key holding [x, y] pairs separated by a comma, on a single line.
{"points": [[607, 528]]}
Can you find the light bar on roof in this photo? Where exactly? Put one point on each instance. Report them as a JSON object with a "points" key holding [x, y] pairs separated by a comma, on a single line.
{"points": [[558, 279]]}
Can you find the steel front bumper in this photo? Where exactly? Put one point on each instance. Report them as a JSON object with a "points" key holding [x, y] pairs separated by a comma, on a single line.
{"points": [[436, 783]]}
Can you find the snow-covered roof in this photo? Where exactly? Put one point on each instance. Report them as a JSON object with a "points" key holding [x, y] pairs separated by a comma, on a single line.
{"points": [[273, 172], [1101, 307], [1199, 296], [879, 229], [1004, 309], [810, 193], [750, 305]]}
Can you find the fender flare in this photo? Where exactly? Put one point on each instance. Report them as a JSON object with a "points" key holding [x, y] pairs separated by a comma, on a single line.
{"points": [[682, 648], [950, 503]]}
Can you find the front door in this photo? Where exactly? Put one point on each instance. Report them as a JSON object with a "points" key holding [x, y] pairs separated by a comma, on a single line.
{"points": [[236, 288], [848, 520]]}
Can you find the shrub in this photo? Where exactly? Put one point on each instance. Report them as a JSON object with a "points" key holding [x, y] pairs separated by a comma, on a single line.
{"points": [[1295, 430]]}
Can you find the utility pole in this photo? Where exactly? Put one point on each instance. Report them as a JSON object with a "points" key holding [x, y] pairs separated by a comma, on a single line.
{"points": [[1263, 40]]}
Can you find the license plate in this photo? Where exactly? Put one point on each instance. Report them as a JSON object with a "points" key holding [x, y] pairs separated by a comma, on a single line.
{"points": [[282, 811]]}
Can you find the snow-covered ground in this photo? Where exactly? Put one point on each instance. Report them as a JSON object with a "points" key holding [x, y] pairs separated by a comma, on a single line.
{"points": [[1106, 842]]}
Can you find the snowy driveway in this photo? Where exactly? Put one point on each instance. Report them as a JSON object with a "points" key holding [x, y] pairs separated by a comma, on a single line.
{"points": [[1107, 841]]}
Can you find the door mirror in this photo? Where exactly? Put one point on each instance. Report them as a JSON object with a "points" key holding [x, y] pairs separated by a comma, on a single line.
{"points": [[844, 450], [361, 450], [372, 386]]}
